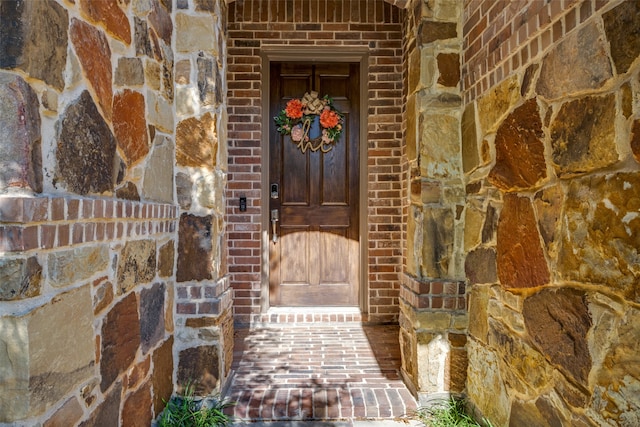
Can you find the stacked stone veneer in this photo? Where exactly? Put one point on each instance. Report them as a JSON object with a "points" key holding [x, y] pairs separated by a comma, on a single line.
{"points": [[433, 317], [204, 318], [550, 144], [112, 169]]}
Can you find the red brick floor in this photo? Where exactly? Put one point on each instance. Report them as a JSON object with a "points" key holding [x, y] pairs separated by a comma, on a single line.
{"points": [[318, 371]]}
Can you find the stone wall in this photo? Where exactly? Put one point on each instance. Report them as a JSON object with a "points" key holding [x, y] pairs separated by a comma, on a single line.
{"points": [[204, 318], [110, 266], [550, 138], [433, 318]]}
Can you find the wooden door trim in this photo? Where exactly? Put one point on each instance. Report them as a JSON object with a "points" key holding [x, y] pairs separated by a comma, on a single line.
{"points": [[326, 55]]}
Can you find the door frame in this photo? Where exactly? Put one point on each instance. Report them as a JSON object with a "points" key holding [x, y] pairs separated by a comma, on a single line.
{"points": [[325, 54]]}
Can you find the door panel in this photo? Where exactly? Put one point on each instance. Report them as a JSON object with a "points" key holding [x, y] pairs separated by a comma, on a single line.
{"points": [[316, 258]]}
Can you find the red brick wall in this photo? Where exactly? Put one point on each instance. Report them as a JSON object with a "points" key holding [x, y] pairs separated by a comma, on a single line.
{"points": [[501, 37], [376, 24]]}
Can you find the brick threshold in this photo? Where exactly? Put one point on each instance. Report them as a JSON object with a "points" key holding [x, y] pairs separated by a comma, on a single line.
{"points": [[315, 367], [310, 315]]}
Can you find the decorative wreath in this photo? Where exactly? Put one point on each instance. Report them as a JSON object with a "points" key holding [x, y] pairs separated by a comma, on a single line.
{"points": [[313, 123]]}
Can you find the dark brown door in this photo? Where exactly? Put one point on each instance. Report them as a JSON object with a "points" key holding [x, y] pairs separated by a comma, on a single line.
{"points": [[315, 260]]}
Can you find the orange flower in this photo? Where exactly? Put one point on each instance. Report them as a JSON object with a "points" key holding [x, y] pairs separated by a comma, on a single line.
{"points": [[294, 109], [329, 119]]}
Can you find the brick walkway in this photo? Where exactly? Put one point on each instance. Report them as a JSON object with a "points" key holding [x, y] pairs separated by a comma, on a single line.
{"points": [[318, 371]]}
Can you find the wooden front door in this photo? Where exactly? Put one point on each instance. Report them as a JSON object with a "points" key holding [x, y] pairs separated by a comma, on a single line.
{"points": [[315, 260]]}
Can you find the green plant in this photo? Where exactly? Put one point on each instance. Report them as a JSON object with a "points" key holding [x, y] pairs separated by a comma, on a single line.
{"points": [[449, 413], [186, 411]]}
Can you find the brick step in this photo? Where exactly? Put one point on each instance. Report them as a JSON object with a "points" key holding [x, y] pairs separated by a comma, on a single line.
{"points": [[325, 371]]}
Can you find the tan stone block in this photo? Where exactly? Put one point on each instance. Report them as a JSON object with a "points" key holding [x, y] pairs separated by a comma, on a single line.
{"points": [[526, 414], [470, 157], [485, 386], [136, 265], [50, 101], [438, 243], [447, 10], [183, 72], [195, 33], [415, 69], [158, 172], [432, 320], [578, 63], [44, 356], [205, 191], [68, 414], [509, 299], [478, 314], [432, 350], [142, 7], [473, 225], [548, 204], [222, 159], [166, 259], [129, 72], [152, 74], [583, 135], [430, 192], [428, 71], [75, 265], [626, 100], [620, 361], [414, 243], [460, 322], [408, 351], [494, 106], [524, 369], [187, 101], [20, 278], [160, 112], [599, 242], [440, 146]]}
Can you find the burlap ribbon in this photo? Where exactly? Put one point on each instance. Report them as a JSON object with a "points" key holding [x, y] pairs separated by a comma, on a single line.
{"points": [[313, 105]]}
